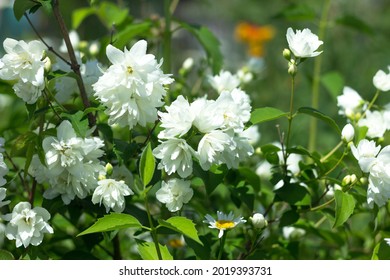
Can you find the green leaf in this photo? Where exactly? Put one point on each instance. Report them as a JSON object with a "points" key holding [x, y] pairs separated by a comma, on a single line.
{"points": [[79, 124], [210, 44], [148, 251], [321, 116], [46, 4], [266, 114], [345, 204], [79, 15], [294, 194], [289, 218], [211, 178], [113, 221], [182, 225], [381, 251], [21, 6], [333, 82], [250, 177], [5, 255], [124, 36], [147, 165], [110, 14], [355, 23]]}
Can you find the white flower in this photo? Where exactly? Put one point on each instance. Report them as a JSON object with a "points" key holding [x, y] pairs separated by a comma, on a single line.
{"points": [[235, 109], [349, 102], [379, 179], [224, 81], [74, 40], [132, 87], [112, 193], [206, 122], [23, 61], [72, 164], [2, 141], [258, 221], [175, 193], [375, 122], [2, 196], [188, 63], [178, 119], [239, 150], [212, 147], [293, 233], [223, 222], [381, 80], [303, 43], [27, 225], [3, 171], [348, 133], [365, 153], [252, 134], [264, 170], [176, 156], [28, 91], [387, 240]]}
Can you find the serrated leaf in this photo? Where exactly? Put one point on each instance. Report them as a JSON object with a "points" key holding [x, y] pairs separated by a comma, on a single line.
{"points": [[333, 82], [321, 116], [148, 251], [113, 221], [79, 122], [266, 114], [182, 225], [5, 255], [294, 194], [21, 6], [147, 165], [345, 204]]}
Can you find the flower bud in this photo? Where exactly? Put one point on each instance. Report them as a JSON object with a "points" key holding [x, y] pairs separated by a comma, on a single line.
{"points": [[109, 169], [258, 221], [47, 64], [94, 48], [348, 133], [188, 63], [292, 67], [287, 54], [349, 179]]}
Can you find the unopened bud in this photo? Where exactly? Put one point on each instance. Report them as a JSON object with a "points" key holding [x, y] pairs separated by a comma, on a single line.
{"points": [[258, 221], [348, 133], [47, 64], [188, 63], [287, 54], [349, 179], [292, 67], [109, 169], [94, 48]]}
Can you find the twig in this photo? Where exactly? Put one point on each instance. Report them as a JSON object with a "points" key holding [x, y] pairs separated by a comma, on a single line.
{"points": [[74, 64]]}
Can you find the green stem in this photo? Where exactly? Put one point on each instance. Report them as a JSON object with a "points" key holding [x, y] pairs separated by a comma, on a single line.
{"points": [[332, 151], [290, 119], [316, 77], [371, 103], [153, 230], [222, 245]]}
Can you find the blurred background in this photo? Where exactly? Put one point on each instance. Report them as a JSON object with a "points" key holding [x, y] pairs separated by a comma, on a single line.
{"points": [[355, 34]]}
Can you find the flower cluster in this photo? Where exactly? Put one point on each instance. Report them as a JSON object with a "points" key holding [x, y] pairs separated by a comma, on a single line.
{"points": [[376, 162], [132, 88], [26, 225], [25, 63], [71, 164], [216, 123]]}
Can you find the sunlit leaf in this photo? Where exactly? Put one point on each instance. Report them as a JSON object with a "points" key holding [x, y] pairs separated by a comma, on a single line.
{"points": [[266, 114], [148, 251], [321, 116], [182, 225], [147, 165], [333, 82], [345, 205]]}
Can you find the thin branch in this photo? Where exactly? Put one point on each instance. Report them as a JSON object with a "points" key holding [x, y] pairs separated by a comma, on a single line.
{"points": [[50, 48], [74, 64]]}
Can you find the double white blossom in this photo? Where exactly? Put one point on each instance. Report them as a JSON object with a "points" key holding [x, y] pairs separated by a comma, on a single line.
{"points": [[349, 103], [27, 226], [303, 43], [3, 171], [112, 194], [2, 197], [225, 80], [375, 122], [381, 80], [72, 164], [24, 62], [175, 193], [132, 88], [376, 162]]}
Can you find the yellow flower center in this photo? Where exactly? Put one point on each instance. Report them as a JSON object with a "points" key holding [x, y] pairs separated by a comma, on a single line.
{"points": [[222, 224], [129, 70]]}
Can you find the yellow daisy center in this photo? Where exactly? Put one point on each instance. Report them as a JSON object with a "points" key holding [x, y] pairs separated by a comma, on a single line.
{"points": [[129, 70], [222, 224]]}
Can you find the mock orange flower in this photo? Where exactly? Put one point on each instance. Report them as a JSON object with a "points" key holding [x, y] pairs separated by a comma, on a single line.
{"points": [[255, 36]]}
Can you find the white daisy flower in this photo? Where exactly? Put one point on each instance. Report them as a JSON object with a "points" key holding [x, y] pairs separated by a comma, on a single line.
{"points": [[223, 222]]}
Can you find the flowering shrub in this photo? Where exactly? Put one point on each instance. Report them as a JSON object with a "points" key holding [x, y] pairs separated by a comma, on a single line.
{"points": [[119, 156]]}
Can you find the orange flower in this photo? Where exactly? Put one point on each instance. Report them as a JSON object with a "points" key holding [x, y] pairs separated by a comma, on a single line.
{"points": [[254, 36]]}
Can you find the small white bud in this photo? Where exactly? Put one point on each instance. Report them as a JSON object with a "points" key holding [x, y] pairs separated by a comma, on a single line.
{"points": [[348, 133], [287, 54], [188, 63], [258, 221], [292, 67]]}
